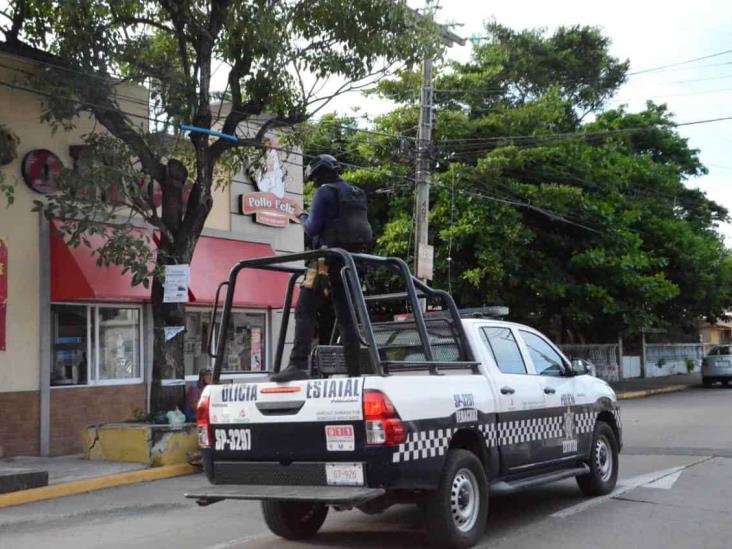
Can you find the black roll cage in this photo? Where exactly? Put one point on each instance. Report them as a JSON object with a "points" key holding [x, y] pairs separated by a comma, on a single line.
{"points": [[357, 306]]}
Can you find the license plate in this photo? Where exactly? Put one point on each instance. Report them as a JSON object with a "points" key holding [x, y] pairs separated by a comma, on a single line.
{"points": [[233, 439], [344, 474]]}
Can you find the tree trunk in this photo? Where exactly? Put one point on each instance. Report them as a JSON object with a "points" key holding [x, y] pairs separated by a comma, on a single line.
{"points": [[167, 355]]}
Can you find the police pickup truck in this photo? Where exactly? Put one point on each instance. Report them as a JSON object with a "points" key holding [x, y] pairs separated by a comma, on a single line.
{"points": [[446, 412]]}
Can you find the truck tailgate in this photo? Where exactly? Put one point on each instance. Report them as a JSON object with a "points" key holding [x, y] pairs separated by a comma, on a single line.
{"points": [[302, 420]]}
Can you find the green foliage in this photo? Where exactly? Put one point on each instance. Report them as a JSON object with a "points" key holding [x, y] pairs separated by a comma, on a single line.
{"points": [[139, 416], [8, 152], [277, 54], [585, 229]]}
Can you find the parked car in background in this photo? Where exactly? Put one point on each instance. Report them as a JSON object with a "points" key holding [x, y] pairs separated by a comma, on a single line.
{"points": [[717, 366]]}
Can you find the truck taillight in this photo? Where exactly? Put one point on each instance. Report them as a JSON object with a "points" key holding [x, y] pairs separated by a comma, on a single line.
{"points": [[202, 423], [383, 425], [705, 363]]}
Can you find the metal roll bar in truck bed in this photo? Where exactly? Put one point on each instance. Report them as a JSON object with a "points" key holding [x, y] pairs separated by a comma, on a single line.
{"points": [[414, 290]]}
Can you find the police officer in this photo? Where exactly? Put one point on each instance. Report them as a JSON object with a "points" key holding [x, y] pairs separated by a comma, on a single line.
{"points": [[338, 219]]}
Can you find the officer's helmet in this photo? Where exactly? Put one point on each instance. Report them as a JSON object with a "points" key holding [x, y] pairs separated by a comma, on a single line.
{"points": [[325, 167]]}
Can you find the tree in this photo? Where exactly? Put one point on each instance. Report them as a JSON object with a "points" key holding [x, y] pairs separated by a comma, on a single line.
{"points": [[575, 217], [8, 153], [279, 56]]}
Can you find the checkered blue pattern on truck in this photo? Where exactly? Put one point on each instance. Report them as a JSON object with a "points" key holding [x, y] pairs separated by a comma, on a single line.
{"points": [[424, 444], [532, 429], [435, 442], [618, 420], [490, 433], [585, 422]]}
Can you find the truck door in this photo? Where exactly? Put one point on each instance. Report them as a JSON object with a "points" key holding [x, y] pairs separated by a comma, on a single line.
{"points": [[561, 399], [520, 399]]}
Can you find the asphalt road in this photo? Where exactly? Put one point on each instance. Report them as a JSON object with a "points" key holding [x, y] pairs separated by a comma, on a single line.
{"points": [[675, 490]]}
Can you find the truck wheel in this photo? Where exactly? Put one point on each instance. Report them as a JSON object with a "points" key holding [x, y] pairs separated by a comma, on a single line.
{"points": [[603, 463], [455, 514], [707, 382], [294, 519]]}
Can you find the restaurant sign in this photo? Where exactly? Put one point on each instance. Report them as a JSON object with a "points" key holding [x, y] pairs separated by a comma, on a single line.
{"points": [[269, 209], [270, 206], [3, 289]]}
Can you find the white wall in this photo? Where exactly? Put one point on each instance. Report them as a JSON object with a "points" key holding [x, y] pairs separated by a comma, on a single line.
{"points": [[20, 111]]}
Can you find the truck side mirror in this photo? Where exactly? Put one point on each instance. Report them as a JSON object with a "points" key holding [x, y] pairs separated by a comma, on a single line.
{"points": [[580, 367]]}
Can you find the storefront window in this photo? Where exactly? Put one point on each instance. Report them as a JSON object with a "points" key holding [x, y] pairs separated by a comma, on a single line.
{"points": [[70, 345], [93, 344], [196, 338], [119, 343], [244, 345]]}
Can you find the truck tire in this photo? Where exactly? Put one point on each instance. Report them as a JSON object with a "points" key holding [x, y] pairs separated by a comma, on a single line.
{"points": [[455, 514], [603, 463], [294, 519], [707, 382]]}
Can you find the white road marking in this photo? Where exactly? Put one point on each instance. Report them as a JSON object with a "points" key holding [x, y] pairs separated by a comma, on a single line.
{"points": [[665, 483], [627, 485]]}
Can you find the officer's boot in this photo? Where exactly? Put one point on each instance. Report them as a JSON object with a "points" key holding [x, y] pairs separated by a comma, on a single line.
{"points": [[291, 373]]}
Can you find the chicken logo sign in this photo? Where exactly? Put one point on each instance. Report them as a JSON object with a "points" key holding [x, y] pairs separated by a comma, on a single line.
{"points": [[270, 206]]}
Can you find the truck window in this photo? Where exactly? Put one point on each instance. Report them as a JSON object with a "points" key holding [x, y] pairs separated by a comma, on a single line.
{"points": [[547, 361], [505, 350]]}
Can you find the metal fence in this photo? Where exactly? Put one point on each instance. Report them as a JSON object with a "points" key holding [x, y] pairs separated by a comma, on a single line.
{"points": [[661, 359]]}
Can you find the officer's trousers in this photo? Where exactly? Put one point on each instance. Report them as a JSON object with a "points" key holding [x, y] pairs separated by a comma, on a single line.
{"points": [[306, 322]]}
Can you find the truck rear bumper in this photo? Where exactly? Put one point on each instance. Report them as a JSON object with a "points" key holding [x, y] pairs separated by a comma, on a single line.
{"points": [[334, 495], [272, 473]]}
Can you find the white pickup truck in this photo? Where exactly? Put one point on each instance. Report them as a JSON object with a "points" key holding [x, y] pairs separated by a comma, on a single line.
{"points": [[447, 411]]}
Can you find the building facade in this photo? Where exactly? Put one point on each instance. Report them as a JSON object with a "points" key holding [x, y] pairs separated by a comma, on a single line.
{"points": [[78, 337]]}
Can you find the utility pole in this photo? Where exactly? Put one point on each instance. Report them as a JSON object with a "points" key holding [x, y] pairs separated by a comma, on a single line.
{"points": [[423, 252]]}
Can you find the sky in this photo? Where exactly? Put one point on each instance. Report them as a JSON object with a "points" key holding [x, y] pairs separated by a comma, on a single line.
{"points": [[649, 33]]}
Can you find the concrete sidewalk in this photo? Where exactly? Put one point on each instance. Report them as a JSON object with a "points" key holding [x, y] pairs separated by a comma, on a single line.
{"points": [[69, 475], [66, 468], [639, 388]]}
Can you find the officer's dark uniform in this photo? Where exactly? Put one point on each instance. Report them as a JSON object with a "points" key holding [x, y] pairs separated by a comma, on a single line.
{"points": [[338, 220]]}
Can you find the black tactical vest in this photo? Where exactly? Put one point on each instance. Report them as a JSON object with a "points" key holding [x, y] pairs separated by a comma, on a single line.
{"points": [[350, 229]]}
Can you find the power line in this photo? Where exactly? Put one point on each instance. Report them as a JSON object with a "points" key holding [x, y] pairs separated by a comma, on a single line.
{"points": [[685, 94], [687, 62], [168, 123], [463, 145], [498, 92], [135, 100], [109, 79], [548, 213], [466, 149]]}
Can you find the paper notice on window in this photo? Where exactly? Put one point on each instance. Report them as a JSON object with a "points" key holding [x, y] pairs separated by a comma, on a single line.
{"points": [[256, 352], [177, 278], [172, 331]]}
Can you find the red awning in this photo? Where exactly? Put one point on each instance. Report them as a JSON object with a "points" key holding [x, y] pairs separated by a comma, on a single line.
{"points": [[214, 258], [75, 275]]}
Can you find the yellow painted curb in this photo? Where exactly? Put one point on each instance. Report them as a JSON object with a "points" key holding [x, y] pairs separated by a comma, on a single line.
{"points": [[90, 485], [648, 392]]}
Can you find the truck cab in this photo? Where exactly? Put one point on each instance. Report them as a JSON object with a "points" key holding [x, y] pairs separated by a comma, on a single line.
{"points": [[446, 411]]}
